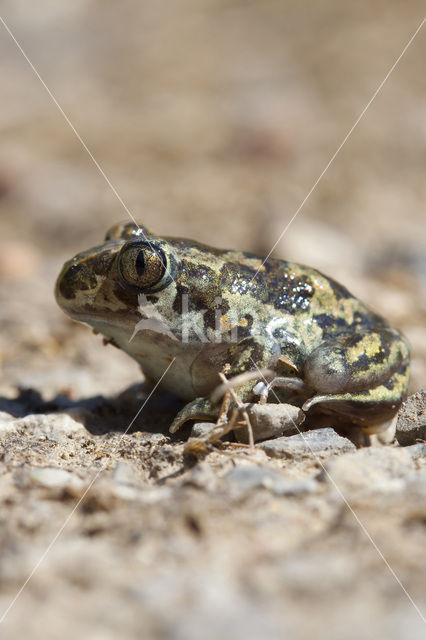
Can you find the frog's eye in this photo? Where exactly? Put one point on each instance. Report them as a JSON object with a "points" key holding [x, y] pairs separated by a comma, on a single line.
{"points": [[144, 265]]}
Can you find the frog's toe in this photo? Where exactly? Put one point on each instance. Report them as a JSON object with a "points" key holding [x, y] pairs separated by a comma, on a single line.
{"points": [[198, 409]]}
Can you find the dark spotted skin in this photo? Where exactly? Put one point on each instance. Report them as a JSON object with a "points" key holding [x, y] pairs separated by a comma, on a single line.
{"points": [[214, 308]]}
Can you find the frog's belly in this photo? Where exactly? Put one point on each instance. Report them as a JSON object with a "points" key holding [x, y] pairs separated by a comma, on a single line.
{"points": [[157, 353], [178, 379]]}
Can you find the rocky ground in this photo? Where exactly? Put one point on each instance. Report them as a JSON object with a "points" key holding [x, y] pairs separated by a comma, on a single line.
{"points": [[296, 538], [213, 120]]}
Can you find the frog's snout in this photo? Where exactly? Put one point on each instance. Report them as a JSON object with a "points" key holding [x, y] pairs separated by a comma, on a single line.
{"points": [[74, 278], [80, 279]]}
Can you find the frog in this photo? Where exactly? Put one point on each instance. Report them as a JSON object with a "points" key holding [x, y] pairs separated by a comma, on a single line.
{"points": [[187, 312]]}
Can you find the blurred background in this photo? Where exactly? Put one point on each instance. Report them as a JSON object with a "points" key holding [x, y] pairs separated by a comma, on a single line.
{"points": [[212, 119]]}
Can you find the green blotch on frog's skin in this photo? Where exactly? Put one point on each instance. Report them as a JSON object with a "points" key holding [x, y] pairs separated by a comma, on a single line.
{"points": [[356, 365]]}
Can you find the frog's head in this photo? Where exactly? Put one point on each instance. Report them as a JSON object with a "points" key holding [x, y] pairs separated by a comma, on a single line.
{"points": [[101, 286], [104, 286]]}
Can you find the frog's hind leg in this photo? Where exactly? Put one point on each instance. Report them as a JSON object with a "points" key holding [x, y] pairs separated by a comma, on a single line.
{"points": [[371, 409], [362, 377]]}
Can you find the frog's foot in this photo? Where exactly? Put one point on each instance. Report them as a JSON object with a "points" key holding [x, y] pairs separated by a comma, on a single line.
{"points": [[198, 409]]}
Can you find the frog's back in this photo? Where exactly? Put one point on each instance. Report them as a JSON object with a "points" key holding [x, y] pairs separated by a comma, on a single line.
{"points": [[295, 305], [297, 291], [305, 292]]}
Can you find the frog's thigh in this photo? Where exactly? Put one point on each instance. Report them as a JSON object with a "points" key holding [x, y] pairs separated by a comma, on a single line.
{"points": [[356, 362], [363, 377], [370, 407]]}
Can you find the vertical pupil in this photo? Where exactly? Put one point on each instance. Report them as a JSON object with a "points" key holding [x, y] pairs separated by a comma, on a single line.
{"points": [[140, 263]]}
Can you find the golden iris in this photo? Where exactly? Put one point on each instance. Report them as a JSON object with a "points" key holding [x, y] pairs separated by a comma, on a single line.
{"points": [[142, 264]]}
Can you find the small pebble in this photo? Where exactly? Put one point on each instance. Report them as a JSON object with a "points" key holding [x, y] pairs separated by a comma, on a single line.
{"points": [[201, 429], [411, 422], [53, 478], [124, 474], [245, 478], [417, 451], [271, 421], [379, 469], [320, 442]]}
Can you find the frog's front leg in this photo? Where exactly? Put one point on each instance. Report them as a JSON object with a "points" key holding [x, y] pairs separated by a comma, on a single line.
{"points": [[239, 357], [252, 353], [362, 376]]}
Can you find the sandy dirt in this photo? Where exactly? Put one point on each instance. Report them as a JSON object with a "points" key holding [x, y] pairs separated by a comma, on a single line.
{"points": [[212, 120]]}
